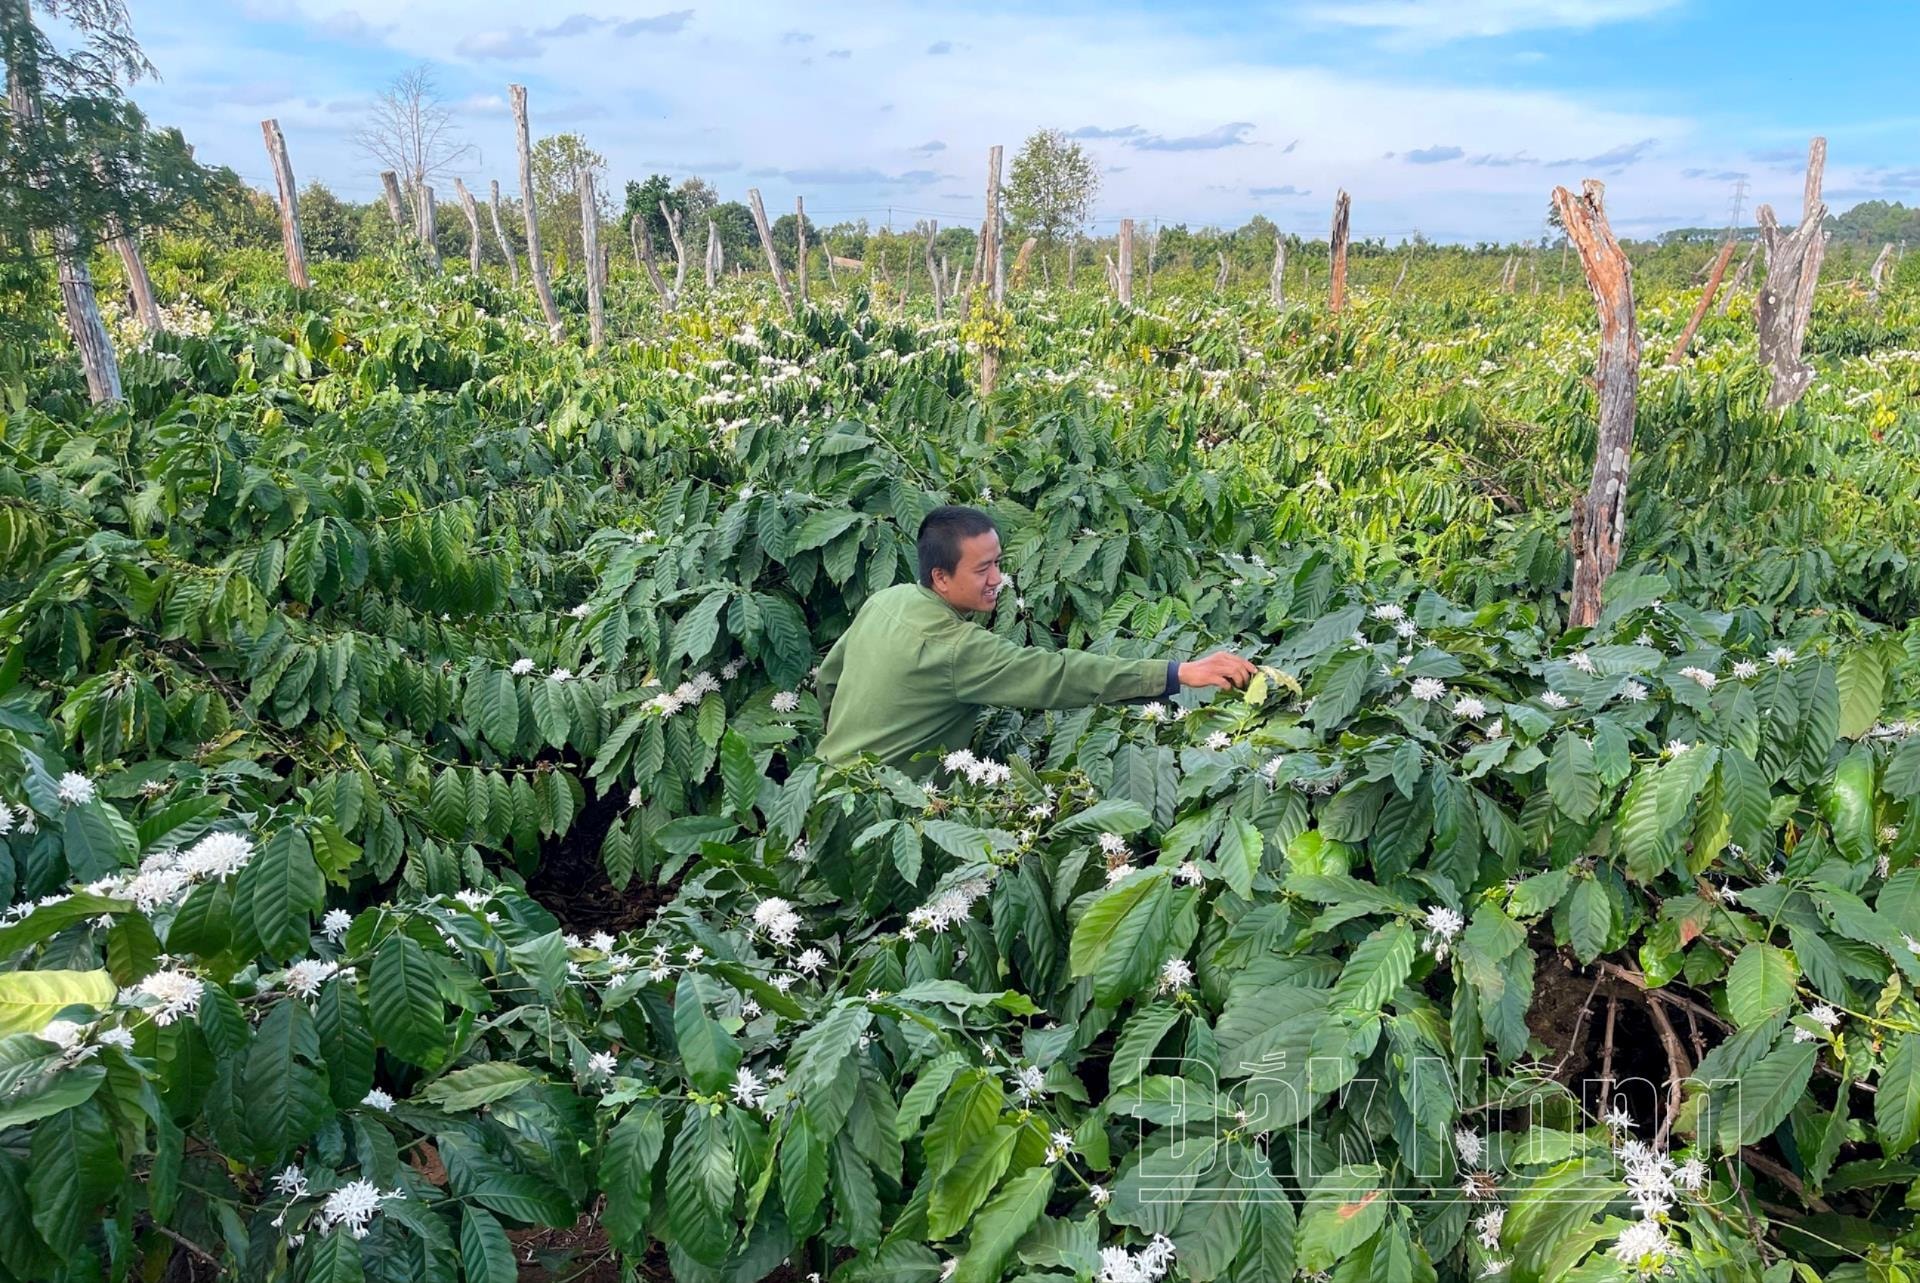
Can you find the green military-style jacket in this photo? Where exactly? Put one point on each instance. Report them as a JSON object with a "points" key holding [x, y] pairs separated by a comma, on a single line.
{"points": [[912, 674]]}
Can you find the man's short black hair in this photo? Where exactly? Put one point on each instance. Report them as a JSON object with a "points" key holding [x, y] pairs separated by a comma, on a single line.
{"points": [[940, 536]]}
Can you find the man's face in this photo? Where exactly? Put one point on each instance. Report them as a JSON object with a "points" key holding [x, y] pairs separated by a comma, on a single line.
{"points": [[974, 583]]}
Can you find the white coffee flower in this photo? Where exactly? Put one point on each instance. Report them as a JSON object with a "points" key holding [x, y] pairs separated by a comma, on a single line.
{"points": [[1554, 699], [74, 789], [353, 1205], [1112, 844], [776, 917], [1469, 1145], [1219, 741], [176, 992], [305, 977], [785, 701], [1643, 1247], [748, 1092], [1781, 656], [600, 1066], [1745, 668], [1582, 661], [1176, 975], [521, 667], [1389, 612], [1428, 689], [1467, 708], [560, 675], [334, 925], [376, 1098], [1633, 692], [1705, 679], [1443, 924]]}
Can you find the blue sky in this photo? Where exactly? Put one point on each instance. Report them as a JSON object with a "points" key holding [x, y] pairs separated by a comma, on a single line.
{"points": [[1455, 119]]}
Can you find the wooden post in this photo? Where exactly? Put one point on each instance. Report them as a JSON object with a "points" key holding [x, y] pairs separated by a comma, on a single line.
{"points": [[499, 234], [1021, 260], [1220, 277], [800, 246], [1153, 252], [933, 273], [1600, 516], [833, 277], [1337, 250], [991, 275], [643, 250], [89, 332], [430, 226], [1073, 248], [472, 209], [679, 249], [1123, 272], [1740, 278], [590, 250], [140, 285], [713, 253], [390, 184], [536, 264], [289, 205], [761, 225], [1879, 272], [1277, 282], [1706, 300], [1786, 295]]}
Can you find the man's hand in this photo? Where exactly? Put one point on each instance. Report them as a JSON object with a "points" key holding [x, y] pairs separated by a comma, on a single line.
{"points": [[1222, 668]]}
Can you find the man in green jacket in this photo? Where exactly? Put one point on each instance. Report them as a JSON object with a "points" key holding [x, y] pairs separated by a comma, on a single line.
{"points": [[913, 671]]}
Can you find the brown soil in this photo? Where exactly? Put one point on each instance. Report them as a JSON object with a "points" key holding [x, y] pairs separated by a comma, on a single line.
{"points": [[572, 879]]}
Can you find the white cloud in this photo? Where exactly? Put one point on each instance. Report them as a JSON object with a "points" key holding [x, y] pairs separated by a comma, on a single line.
{"points": [[1429, 22]]}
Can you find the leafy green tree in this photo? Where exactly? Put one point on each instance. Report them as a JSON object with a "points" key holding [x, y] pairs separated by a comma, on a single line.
{"points": [[737, 235], [1051, 188], [330, 226], [557, 159]]}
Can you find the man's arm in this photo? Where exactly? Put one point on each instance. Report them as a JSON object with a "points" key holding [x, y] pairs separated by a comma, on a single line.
{"points": [[989, 669], [829, 678]]}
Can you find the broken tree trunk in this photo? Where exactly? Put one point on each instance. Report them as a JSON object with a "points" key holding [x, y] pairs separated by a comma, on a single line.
{"points": [[1337, 250], [833, 277], [713, 253], [536, 263], [430, 226], [1706, 300], [89, 332], [679, 249], [289, 204], [766, 244], [499, 234], [1277, 280], [643, 250], [1600, 516], [139, 284], [1879, 272], [1786, 295], [1220, 277], [390, 184], [1123, 272], [990, 239], [590, 250], [472, 209], [800, 248], [933, 273]]}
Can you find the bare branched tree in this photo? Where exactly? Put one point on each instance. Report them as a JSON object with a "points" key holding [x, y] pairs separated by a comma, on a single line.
{"points": [[411, 131]]}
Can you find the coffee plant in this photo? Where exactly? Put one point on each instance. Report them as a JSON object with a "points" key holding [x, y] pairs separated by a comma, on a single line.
{"points": [[419, 869]]}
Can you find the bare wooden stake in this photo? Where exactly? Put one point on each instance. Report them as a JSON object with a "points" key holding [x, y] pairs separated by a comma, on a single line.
{"points": [[1600, 516], [833, 277], [1740, 278], [991, 275], [1337, 249], [713, 253], [140, 285], [1123, 271], [499, 234], [430, 226], [1879, 272], [590, 251], [390, 184], [1786, 295], [933, 273], [1153, 252], [1220, 277], [1021, 261], [766, 243], [643, 250], [679, 249], [1277, 280], [472, 208], [536, 262], [289, 204], [1706, 300], [800, 247]]}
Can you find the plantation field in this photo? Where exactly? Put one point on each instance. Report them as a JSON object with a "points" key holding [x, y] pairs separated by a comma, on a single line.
{"points": [[419, 870]]}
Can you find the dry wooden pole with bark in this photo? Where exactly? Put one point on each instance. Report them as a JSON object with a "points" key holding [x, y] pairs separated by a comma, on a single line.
{"points": [[396, 207], [590, 250], [89, 332], [1220, 277], [1740, 278], [1123, 271], [1706, 300], [800, 247], [713, 253], [1337, 249], [139, 284], [1021, 261], [430, 226], [1786, 295], [1600, 516], [289, 204], [499, 234], [536, 262], [991, 274], [643, 250], [679, 249], [1879, 272], [761, 225], [933, 272], [472, 210], [1277, 279]]}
